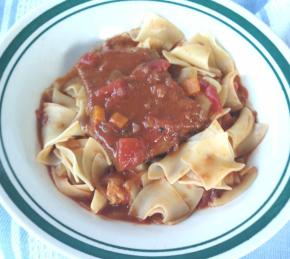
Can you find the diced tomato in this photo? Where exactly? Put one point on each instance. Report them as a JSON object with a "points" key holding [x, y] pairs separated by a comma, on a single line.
{"points": [[211, 93], [89, 59], [130, 153], [159, 65], [116, 87]]}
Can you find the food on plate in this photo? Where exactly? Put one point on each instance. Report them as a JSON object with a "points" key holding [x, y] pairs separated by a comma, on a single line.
{"points": [[150, 127]]}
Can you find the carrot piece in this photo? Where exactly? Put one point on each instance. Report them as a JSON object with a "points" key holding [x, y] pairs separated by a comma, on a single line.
{"points": [[98, 114], [119, 120]]}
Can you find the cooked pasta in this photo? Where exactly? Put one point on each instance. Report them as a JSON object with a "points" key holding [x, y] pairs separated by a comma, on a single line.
{"points": [[150, 127]]}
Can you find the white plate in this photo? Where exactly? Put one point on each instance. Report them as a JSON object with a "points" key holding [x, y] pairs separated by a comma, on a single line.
{"points": [[46, 44]]}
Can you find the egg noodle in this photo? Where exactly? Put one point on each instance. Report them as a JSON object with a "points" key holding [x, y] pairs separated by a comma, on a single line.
{"points": [[207, 168]]}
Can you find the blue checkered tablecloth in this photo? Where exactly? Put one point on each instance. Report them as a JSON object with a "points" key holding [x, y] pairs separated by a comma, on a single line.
{"points": [[17, 243]]}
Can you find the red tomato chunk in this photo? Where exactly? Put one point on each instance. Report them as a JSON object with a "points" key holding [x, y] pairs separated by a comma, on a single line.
{"points": [[130, 152], [211, 93]]}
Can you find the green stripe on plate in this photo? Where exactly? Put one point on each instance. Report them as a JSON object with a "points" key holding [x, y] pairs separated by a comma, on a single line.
{"points": [[92, 250]]}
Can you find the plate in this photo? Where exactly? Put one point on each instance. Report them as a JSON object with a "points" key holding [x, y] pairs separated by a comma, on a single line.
{"points": [[48, 42]]}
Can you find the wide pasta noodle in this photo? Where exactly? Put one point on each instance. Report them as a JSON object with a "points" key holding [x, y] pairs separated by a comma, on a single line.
{"points": [[204, 53], [94, 158], [80, 162], [63, 114], [242, 127], [229, 94], [208, 155], [63, 185], [192, 179], [196, 55], [59, 118], [252, 140], [145, 179], [222, 59], [172, 166], [47, 157], [133, 188], [159, 197], [62, 99], [98, 168], [72, 152], [77, 91], [99, 201], [52, 133], [172, 59], [248, 175], [211, 159], [67, 165], [157, 32], [81, 154], [190, 193], [78, 191]]}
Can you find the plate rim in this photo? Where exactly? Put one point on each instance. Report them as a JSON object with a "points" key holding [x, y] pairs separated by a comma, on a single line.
{"points": [[198, 2]]}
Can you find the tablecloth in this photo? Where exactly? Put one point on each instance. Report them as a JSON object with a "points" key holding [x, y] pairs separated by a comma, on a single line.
{"points": [[17, 243]]}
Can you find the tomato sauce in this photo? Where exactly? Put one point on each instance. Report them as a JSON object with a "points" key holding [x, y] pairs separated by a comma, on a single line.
{"points": [[135, 83]]}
